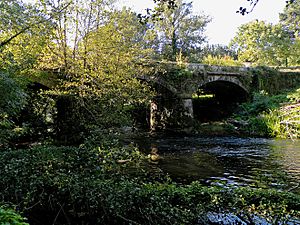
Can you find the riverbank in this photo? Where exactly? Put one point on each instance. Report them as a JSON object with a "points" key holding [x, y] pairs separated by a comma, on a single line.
{"points": [[85, 185], [265, 116], [104, 181]]}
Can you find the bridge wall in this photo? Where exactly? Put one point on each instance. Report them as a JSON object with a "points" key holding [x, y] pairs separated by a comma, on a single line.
{"points": [[274, 81], [177, 113]]}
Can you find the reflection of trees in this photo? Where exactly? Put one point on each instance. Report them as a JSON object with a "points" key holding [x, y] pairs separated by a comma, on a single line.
{"points": [[189, 166], [286, 153], [289, 154], [246, 162]]}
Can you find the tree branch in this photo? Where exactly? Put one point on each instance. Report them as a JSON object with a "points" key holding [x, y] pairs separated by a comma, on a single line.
{"points": [[8, 40]]}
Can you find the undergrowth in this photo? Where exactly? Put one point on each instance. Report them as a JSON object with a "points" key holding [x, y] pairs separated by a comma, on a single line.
{"points": [[10, 217], [272, 116], [79, 185]]}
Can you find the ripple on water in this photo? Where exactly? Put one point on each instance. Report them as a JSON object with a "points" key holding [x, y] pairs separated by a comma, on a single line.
{"points": [[231, 161]]}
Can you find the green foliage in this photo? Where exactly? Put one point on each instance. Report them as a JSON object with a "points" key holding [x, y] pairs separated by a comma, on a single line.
{"points": [[176, 75], [13, 97], [12, 101], [109, 148], [25, 113], [294, 58], [273, 81], [10, 217], [274, 116], [262, 43], [36, 120], [221, 61], [102, 87], [180, 31], [215, 50], [290, 18], [284, 121], [94, 51], [67, 184], [24, 32], [262, 102]]}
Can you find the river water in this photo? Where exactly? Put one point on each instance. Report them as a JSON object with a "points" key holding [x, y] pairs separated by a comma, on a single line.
{"points": [[228, 161]]}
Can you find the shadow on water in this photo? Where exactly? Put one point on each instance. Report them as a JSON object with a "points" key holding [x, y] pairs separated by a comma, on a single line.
{"points": [[228, 161]]}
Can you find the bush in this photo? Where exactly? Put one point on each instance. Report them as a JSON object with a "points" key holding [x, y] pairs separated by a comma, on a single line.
{"points": [[221, 61], [272, 116], [68, 185], [12, 100], [10, 217]]}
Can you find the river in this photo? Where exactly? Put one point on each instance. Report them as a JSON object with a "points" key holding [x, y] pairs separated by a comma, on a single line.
{"points": [[228, 161]]}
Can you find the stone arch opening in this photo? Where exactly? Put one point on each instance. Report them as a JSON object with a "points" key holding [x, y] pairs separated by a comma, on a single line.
{"points": [[217, 99]]}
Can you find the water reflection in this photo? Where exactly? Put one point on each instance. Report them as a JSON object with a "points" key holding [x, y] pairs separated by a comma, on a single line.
{"points": [[230, 161], [288, 155]]}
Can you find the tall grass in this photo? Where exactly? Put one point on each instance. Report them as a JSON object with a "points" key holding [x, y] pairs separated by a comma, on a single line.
{"points": [[273, 116]]}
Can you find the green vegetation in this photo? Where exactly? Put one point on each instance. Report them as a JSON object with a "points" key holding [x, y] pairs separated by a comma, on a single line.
{"points": [[10, 217], [221, 61], [262, 44], [272, 116], [180, 32], [69, 81], [270, 44], [67, 184]]}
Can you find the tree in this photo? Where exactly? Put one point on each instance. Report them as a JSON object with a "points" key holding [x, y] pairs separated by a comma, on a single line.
{"points": [[21, 42], [12, 98], [262, 43], [23, 35], [95, 47], [290, 18], [19, 18], [102, 81], [171, 4], [12, 21], [180, 31], [72, 25], [245, 10]]}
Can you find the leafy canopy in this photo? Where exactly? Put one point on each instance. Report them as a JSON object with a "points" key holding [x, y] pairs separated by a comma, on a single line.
{"points": [[262, 43], [180, 31]]}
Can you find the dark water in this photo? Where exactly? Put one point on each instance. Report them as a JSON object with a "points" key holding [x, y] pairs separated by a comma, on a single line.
{"points": [[229, 161]]}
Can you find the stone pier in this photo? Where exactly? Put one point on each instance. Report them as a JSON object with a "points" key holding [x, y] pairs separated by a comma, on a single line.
{"points": [[188, 107], [175, 114]]}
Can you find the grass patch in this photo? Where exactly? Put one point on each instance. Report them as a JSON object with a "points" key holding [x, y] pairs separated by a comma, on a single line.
{"points": [[272, 116]]}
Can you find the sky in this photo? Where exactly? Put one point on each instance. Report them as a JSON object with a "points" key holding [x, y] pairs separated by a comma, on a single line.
{"points": [[225, 20]]}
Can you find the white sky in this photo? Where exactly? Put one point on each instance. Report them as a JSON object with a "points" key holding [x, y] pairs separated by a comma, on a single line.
{"points": [[225, 19]]}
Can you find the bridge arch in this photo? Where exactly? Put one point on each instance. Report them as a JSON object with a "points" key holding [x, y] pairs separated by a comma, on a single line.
{"points": [[217, 98], [160, 85], [222, 78]]}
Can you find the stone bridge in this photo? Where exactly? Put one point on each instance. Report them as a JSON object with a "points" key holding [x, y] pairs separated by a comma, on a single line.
{"points": [[178, 86]]}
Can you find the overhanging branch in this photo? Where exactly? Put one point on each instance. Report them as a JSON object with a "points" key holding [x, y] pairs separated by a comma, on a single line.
{"points": [[8, 40]]}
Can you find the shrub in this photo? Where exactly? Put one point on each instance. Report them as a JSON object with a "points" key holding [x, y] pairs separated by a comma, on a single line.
{"points": [[12, 100], [272, 116], [221, 61], [10, 217], [68, 185]]}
